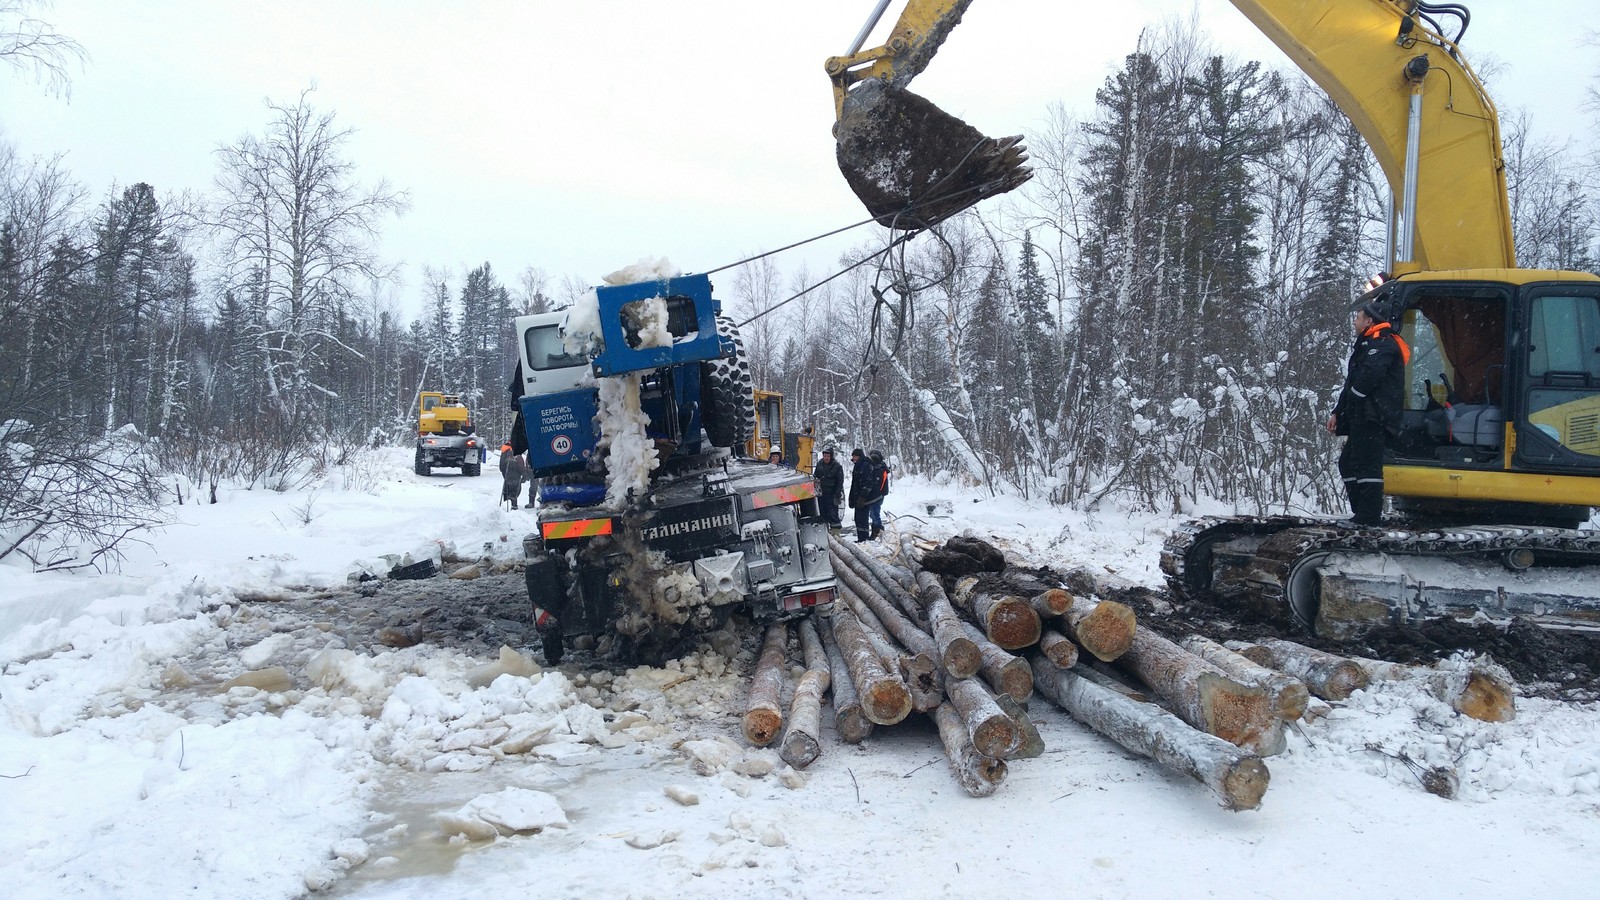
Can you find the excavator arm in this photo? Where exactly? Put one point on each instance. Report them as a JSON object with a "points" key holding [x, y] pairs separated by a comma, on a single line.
{"points": [[1386, 63]]}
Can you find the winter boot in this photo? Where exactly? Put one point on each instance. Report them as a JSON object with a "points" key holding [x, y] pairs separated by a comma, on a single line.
{"points": [[1366, 503]]}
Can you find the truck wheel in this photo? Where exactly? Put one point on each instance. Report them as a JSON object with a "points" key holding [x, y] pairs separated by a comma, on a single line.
{"points": [[420, 466], [472, 469], [727, 395]]}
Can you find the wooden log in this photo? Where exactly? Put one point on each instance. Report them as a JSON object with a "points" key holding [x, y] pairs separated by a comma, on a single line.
{"points": [[1108, 677], [1329, 677], [1472, 690], [1006, 673], [893, 583], [1032, 745], [1058, 649], [891, 619], [919, 671], [993, 732], [1046, 599], [884, 697], [977, 774], [1287, 693], [1050, 603], [763, 715], [801, 742], [1009, 621], [1105, 628], [1237, 777], [1203, 695], [1024, 582], [849, 719], [957, 653]]}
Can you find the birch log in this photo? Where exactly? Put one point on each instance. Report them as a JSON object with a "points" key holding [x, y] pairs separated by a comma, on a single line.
{"points": [[884, 697], [919, 671], [1203, 695], [1472, 690], [1046, 600], [977, 774], [894, 583], [1104, 628], [1006, 673], [763, 715], [1329, 677], [1032, 745], [1238, 778], [1058, 649], [910, 634], [1287, 693], [849, 719], [1009, 621], [957, 653], [993, 732], [801, 741]]}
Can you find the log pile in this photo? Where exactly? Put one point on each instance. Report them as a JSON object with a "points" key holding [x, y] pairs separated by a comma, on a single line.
{"points": [[968, 641], [969, 651]]}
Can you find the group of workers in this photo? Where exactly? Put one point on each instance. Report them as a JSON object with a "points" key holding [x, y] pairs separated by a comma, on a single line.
{"points": [[869, 484]]}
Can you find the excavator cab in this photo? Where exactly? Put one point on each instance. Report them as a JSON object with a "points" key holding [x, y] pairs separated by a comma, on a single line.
{"points": [[912, 164]]}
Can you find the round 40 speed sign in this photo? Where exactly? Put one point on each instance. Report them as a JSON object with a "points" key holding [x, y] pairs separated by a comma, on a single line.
{"points": [[562, 445]]}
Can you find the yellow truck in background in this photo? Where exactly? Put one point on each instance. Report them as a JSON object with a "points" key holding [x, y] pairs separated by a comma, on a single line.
{"points": [[445, 436]]}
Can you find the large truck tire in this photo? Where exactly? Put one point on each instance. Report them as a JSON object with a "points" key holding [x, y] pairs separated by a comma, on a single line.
{"points": [[728, 402], [420, 466], [472, 469]]}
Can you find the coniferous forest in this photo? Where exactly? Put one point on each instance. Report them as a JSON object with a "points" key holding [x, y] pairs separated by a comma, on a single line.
{"points": [[1159, 316]]}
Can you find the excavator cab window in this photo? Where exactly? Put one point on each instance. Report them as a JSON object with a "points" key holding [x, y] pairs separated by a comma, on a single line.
{"points": [[1455, 383], [1563, 401]]}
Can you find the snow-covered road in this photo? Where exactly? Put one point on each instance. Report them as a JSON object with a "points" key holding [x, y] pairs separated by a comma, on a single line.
{"points": [[131, 771]]}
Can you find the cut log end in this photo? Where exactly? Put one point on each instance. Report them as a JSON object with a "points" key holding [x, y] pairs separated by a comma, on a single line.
{"points": [[1108, 631], [998, 736], [852, 724], [761, 726], [800, 749], [1060, 651], [961, 658], [1342, 680], [1016, 681], [1244, 784], [1013, 625], [886, 702], [1487, 699]]}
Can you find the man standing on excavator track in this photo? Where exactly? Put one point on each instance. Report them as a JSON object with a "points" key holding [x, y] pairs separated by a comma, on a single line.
{"points": [[1368, 411]]}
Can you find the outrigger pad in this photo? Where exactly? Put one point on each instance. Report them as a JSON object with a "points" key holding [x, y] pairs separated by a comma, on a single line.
{"points": [[914, 165]]}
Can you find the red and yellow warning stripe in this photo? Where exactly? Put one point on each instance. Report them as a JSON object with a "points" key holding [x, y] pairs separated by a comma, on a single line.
{"points": [[577, 528], [793, 493]]}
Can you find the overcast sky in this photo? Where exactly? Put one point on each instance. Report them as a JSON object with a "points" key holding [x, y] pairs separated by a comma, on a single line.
{"points": [[579, 137]]}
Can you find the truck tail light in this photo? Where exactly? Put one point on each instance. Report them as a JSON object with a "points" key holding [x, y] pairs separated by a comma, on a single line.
{"points": [[821, 597]]}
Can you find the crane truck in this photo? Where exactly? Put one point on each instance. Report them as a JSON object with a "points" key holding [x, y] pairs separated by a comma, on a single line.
{"points": [[1491, 481], [650, 528]]}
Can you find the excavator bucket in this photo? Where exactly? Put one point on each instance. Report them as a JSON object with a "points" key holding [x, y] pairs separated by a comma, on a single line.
{"points": [[914, 165]]}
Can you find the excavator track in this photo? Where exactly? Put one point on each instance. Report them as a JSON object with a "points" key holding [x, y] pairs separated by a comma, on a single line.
{"points": [[1336, 581]]}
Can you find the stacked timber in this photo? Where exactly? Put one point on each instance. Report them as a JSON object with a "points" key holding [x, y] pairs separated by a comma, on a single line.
{"points": [[954, 642]]}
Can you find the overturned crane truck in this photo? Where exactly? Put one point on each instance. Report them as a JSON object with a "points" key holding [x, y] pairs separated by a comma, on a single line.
{"points": [[710, 533]]}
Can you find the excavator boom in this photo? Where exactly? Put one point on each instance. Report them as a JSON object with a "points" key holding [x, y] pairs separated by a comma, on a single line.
{"points": [[1384, 62]]}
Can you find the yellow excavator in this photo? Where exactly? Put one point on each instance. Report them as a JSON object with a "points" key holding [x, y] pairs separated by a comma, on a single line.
{"points": [[1498, 462], [795, 447]]}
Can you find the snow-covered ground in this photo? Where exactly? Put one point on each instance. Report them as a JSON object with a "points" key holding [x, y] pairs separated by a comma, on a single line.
{"points": [[358, 768]]}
